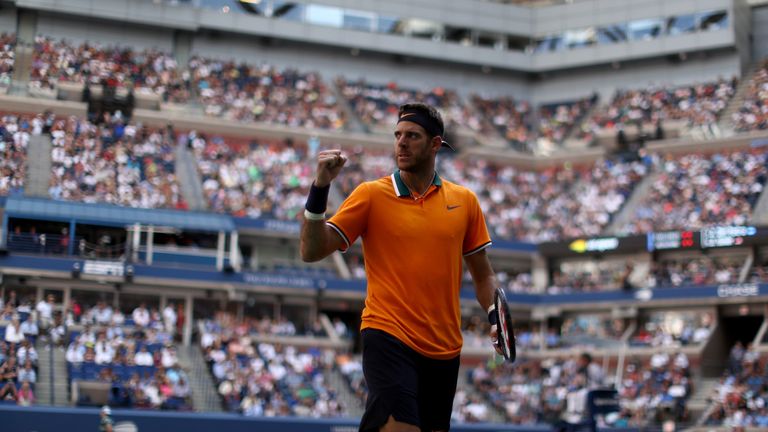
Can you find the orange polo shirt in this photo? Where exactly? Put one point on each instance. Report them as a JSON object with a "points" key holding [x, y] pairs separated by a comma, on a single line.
{"points": [[413, 253]]}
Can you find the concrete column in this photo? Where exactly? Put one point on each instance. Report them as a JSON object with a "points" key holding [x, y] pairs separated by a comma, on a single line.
{"points": [[136, 242], [220, 250], [26, 29], [71, 245], [539, 273], [4, 231], [182, 48], [150, 243], [188, 318], [234, 260]]}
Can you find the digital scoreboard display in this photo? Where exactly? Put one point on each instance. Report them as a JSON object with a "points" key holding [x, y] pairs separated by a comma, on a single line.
{"points": [[713, 237], [667, 240], [726, 236]]}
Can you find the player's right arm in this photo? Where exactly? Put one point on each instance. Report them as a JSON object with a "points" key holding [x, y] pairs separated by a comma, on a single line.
{"points": [[318, 240]]}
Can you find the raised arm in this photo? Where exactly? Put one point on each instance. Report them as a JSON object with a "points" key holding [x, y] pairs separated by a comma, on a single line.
{"points": [[318, 240]]}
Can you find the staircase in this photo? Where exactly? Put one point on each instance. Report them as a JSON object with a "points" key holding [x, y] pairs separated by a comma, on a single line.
{"points": [[699, 403], [204, 394], [725, 123], [351, 403], [760, 212], [51, 364], [38, 166], [189, 179], [353, 123], [627, 212]]}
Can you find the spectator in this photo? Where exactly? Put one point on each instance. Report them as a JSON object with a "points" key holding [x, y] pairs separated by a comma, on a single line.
{"points": [[141, 316]]}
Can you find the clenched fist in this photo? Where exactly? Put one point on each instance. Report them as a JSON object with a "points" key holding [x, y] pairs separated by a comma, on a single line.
{"points": [[329, 164]]}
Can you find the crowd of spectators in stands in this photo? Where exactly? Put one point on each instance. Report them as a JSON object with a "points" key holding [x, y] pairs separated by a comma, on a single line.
{"points": [[147, 70], [740, 399], [18, 356], [552, 391], [530, 391], [697, 104], [696, 191], [699, 271], [264, 93], [556, 120], [7, 58], [547, 205], [261, 179], [15, 133], [753, 112], [674, 329], [113, 162], [236, 91], [376, 105], [133, 352], [266, 379], [656, 390], [504, 116], [141, 363]]}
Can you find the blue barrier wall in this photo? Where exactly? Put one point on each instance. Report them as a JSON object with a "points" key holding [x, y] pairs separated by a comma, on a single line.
{"points": [[48, 419]]}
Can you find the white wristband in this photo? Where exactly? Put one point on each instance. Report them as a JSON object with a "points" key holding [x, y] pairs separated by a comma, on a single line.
{"points": [[308, 215]]}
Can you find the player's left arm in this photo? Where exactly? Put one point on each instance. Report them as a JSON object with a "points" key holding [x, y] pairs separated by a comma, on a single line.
{"points": [[483, 276], [485, 282]]}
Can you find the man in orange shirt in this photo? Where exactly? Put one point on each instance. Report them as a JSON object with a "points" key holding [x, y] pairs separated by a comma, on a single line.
{"points": [[416, 228]]}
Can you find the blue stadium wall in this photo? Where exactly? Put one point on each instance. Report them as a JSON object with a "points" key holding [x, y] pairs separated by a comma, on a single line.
{"points": [[46, 419]]}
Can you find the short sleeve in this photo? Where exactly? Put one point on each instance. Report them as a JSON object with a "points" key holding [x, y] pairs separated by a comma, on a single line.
{"points": [[476, 237], [351, 220]]}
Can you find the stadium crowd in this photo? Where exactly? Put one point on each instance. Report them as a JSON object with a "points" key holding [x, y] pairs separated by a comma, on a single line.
{"points": [[266, 379], [696, 104], [696, 191], [740, 399], [15, 133], [547, 205], [7, 57], [549, 391], [268, 179], [753, 113], [113, 162]]}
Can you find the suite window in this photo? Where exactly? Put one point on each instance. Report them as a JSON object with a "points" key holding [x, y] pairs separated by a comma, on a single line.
{"points": [[713, 20], [388, 24], [289, 11], [681, 24], [327, 16], [579, 38], [645, 29], [612, 34], [359, 20]]}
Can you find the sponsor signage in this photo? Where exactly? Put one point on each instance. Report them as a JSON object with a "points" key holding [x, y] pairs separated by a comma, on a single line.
{"points": [[738, 290], [103, 268], [278, 280]]}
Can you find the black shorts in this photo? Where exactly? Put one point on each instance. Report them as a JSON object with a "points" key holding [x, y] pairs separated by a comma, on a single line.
{"points": [[406, 385]]}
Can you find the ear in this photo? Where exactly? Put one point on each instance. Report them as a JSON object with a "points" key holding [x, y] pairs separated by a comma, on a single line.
{"points": [[437, 142]]}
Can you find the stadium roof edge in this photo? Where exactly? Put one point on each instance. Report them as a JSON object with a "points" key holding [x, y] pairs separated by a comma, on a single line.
{"points": [[106, 214]]}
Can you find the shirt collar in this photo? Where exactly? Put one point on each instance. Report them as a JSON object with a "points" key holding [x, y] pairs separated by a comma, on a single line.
{"points": [[401, 190]]}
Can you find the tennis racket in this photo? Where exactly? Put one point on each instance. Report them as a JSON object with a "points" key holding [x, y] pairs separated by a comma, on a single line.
{"points": [[506, 333]]}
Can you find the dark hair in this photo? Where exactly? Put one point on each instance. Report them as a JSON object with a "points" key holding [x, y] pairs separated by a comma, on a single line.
{"points": [[427, 110]]}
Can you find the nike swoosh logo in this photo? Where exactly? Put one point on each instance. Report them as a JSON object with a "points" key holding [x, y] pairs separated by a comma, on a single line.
{"points": [[407, 114], [451, 207]]}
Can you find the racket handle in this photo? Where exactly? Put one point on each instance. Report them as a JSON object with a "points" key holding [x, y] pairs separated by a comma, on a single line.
{"points": [[493, 314]]}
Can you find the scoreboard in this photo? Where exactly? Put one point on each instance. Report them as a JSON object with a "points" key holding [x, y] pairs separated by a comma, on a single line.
{"points": [[668, 240], [707, 238]]}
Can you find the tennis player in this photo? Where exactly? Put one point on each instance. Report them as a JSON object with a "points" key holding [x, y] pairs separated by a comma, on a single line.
{"points": [[416, 227]]}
